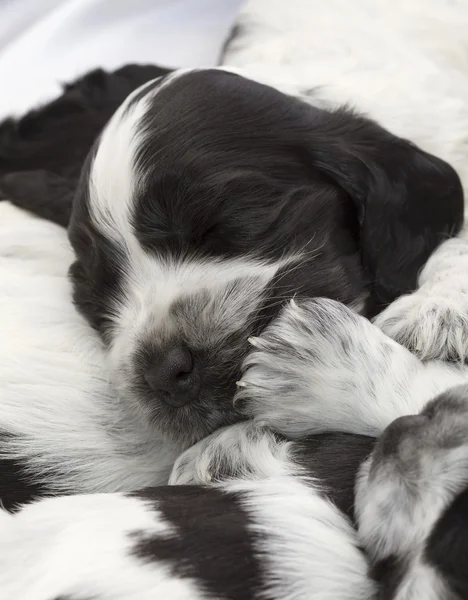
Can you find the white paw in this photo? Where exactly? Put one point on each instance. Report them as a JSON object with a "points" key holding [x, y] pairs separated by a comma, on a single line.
{"points": [[417, 468], [242, 451], [320, 367], [433, 325]]}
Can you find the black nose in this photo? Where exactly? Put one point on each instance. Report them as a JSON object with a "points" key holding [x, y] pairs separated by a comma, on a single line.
{"points": [[174, 378]]}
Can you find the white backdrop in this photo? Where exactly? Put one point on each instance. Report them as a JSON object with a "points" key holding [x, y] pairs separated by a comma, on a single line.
{"points": [[44, 42]]}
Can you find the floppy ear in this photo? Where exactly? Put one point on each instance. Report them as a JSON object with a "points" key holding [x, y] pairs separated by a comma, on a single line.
{"points": [[407, 200], [41, 154]]}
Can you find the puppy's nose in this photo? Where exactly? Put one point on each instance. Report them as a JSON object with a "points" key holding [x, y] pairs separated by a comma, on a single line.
{"points": [[173, 378]]}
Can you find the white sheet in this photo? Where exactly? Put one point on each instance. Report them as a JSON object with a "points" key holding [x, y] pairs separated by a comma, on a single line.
{"points": [[44, 42]]}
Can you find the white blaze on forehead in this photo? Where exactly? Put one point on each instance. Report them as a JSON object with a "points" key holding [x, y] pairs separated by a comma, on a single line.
{"points": [[113, 177], [152, 285]]}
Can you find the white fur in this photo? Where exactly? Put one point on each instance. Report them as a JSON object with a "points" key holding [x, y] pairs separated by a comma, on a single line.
{"points": [[321, 367], [433, 321], [53, 385], [314, 553], [404, 64], [82, 545], [252, 452]]}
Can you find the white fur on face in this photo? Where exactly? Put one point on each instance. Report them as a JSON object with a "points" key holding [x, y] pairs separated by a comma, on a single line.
{"points": [[113, 179], [152, 284]]}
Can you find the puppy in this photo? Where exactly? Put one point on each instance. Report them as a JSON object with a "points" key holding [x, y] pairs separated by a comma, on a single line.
{"points": [[175, 277], [168, 267], [274, 532], [191, 232]]}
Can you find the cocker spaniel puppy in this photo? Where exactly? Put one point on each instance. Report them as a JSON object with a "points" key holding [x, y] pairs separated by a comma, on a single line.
{"points": [[190, 234], [208, 201]]}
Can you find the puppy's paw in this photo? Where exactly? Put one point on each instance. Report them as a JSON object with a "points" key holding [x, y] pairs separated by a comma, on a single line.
{"points": [[417, 468], [317, 367], [242, 451], [431, 324]]}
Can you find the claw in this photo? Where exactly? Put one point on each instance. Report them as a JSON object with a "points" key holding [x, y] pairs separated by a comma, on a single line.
{"points": [[253, 341], [241, 384]]}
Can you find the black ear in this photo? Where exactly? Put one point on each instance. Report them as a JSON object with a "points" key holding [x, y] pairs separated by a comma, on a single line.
{"points": [[42, 193], [41, 154], [407, 200]]}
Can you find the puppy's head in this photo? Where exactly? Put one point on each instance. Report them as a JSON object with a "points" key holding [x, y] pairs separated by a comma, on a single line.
{"points": [[412, 500], [208, 200]]}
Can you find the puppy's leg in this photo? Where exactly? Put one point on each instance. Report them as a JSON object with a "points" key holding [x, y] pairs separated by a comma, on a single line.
{"points": [[411, 499], [433, 321], [321, 367], [268, 540], [242, 451]]}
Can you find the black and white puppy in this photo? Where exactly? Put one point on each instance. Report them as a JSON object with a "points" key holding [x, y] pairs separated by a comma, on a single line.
{"points": [[208, 201], [190, 233]]}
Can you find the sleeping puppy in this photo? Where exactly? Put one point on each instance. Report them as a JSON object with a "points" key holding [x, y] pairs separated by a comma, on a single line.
{"points": [[277, 531], [208, 201], [174, 267]]}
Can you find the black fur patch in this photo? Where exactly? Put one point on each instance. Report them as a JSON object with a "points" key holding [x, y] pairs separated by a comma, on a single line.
{"points": [[41, 154], [222, 560], [447, 546], [17, 484], [388, 573], [334, 459]]}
